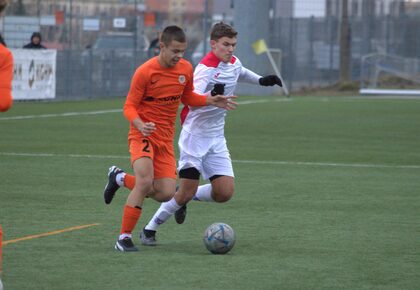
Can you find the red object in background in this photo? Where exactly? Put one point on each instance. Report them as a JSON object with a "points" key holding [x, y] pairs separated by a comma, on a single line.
{"points": [[149, 19], [59, 17]]}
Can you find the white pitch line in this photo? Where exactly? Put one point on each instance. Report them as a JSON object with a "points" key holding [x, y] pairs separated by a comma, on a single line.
{"points": [[64, 155], [249, 102], [328, 164], [260, 101], [72, 114], [68, 114], [265, 162]]}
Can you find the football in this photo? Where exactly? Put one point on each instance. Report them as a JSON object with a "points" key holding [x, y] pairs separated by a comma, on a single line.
{"points": [[219, 238]]}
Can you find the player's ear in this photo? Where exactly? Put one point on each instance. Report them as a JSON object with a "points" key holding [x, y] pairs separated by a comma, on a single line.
{"points": [[213, 43]]}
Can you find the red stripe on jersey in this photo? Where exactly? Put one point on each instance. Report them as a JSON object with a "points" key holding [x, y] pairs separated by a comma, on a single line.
{"points": [[210, 60], [184, 114]]}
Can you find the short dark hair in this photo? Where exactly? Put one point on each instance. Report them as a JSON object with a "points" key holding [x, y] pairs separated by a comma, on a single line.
{"points": [[171, 33], [221, 29]]}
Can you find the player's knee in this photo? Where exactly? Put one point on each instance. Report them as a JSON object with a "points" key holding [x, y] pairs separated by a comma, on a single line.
{"points": [[189, 186], [145, 183], [189, 173], [223, 188], [223, 196]]}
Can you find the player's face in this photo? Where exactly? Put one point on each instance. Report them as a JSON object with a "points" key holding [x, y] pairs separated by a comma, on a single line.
{"points": [[223, 48], [36, 40], [170, 55]]}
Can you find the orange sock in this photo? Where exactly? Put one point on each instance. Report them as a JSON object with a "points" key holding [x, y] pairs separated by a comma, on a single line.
{"points": [[129, 181], [129, 219]]}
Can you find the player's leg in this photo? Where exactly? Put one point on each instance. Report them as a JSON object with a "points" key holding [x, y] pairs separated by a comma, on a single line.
{"points": [[189, 180], [193, 150], [143, 169], [142, 161], [188, 186], [217, 167], [164, 190], [115, 181], [118, 178], [222, 189]]}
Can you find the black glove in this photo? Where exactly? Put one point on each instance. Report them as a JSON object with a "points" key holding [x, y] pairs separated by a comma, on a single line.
{"points": [[270, 80], [218, 89]]}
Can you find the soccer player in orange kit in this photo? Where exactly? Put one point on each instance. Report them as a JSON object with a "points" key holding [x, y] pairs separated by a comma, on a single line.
{"points": [[157, 88], [6, 71]]}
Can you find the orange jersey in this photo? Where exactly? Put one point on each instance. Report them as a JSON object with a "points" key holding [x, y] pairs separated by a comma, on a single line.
{"points": [[6, 76], [155, 94]]}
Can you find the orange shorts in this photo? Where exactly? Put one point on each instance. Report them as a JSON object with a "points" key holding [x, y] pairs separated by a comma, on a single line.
{"points": [[162, 154]]}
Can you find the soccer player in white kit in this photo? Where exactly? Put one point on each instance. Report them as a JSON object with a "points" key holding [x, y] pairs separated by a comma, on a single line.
{"points": [[202, 143]]}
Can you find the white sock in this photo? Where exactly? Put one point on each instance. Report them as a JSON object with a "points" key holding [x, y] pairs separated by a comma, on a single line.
{"points": [[124, 235], [203, 193], [120, 178], [164, 212]]}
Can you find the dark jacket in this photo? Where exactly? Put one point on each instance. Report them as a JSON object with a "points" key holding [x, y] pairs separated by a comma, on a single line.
{"points": [[32, 45], [2, 40]]}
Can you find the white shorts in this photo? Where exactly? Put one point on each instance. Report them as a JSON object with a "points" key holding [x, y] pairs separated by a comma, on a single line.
{"points": [[210, 156]]}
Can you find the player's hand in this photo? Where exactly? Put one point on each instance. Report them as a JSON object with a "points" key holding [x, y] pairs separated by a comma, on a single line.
{"points": [[218, 89], [270, 80], [223, 102], [146, 128]]}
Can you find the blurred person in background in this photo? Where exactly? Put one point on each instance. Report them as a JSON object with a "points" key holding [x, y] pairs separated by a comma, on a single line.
{"points": [[6, 70], [154, 48], [35, 43]]}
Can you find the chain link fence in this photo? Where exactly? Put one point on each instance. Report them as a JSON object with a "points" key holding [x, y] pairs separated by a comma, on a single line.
{"points": [[307, 48], [310, 47]]}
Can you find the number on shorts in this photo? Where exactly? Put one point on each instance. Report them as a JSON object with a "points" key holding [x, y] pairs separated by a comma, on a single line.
{"points": [[146, 145]]}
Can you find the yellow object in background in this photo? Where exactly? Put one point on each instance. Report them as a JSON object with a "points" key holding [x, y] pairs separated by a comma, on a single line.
{"points": [[259, 46]]}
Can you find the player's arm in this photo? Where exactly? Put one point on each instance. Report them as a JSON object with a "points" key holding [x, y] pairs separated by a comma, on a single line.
{"points": [[6, 76], [197, 100], [132, 102], [202, 77], [270, 80], [195, 96], [249, 76]]}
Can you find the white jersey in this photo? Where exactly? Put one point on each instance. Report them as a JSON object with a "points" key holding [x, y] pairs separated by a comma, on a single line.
{"points": [[209, 121]]}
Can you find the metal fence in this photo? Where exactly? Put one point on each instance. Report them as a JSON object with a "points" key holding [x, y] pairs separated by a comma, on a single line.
{"points": [[87, 74], [309, 55], [92, 74], [310, 47], [307, 49]]}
